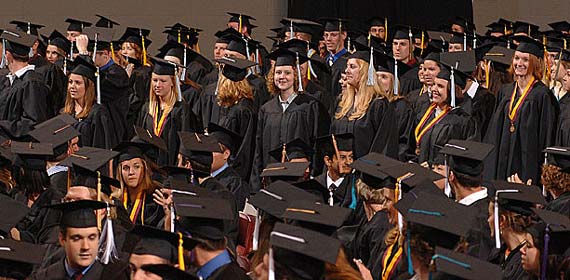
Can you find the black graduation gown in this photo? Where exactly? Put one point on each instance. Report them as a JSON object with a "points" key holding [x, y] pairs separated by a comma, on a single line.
{"points": [[234, 183], [115, 92], [305, 118], [521, 152], [479, 236], [94, 129], [190, 95], [338, 67], [419, 100], [196, 72], [369, 240], [560, 205], [211, 77], [409, 80], [34, 225], [229, 271], [57, 271], [455, 125], [342, 195], [260, 92], [320, 93], [139, 82], [180, 118], [153, 212], [242, 119], [58, 181], [511, 265], [23, 104], [207, 106], [373, 132], [406, 118], [563, 127], [480, 107], [56, 81]]}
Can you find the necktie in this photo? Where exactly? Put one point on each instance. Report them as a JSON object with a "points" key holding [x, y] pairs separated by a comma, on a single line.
{"points": [[332, 188], [77, 276], [331, 60]]}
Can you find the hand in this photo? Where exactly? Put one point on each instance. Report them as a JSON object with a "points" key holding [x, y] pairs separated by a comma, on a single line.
{"points": [[261, 271], [364, 271], [15, 233], [425, 164], [81, 42], [159, 198], [516, 179]]}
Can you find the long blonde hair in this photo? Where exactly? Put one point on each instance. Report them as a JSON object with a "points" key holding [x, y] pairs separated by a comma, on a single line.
{"points": [[230, 92], [89, 100], [389, 93], [368, 93], [154, 101]]}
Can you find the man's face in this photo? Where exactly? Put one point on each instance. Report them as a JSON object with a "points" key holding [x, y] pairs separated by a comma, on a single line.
{"points": [[455, 47], [401, 49], [431, 70], [378, 31], [219, 50], [135, 263], [334, 40], [72, 34], [345, 160], [101, 58], [298, 35], [80, 246], [219, 159], [73, 146]]}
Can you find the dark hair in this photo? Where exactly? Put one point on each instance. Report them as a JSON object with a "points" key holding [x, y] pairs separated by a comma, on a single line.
{"points": [[467, 181], [32, 181], [213, 245], [20, 58]]}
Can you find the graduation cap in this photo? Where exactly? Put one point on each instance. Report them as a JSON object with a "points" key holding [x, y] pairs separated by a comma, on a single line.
{"points": [[403, 32], [530, 46], [78, 214], [137, 36], [185, 54], [293, 25], [332, 24], [561, 26], [316, 216], [331, 144], [191, 142], [19, 258], [163, 244], [297, 148], [554, 228], [84, 177], [183, 34], [146, 136], [454, 77], [231, 139], [27, 27], [11, 213], [277, 196], [378, 21], [371, 166], [524, 27], [463, 22], [285, 169], [393, 66], [496, 27], [60, 41], [32, 155], [77, 25], [559, 156], [203, 217], [466, 156], [464, 266], [410, 175], [242, 20], [90, 158], [168, 272], [554, 44], [223, 36], [85, 68], [301, 251], [131, 150], [18, 42], [57, 132], [500, 55], [164, 67], [100, 38], [105, 22], [235, 69]]}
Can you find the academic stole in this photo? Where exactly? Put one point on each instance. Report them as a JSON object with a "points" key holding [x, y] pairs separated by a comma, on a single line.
{"points": [[158, 124], [391, 259], [514, 111], [421, 130], [138, 207]]}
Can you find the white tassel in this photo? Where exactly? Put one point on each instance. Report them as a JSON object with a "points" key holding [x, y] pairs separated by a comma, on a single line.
{"points": [[179, 93], [396, 80], [3, 63], [400, 217], [257, 67], [465, 41], [65, 66], [255, 243], [452, 88], [474, 40], [447, 187], [183, 75], [31, 53], [496, 216], [291, 34], [107, 248], [299, 75], [271, 273], [544, 192], [98, 86], [172, 218], [71, 51], [371, 70], [95, 46]]}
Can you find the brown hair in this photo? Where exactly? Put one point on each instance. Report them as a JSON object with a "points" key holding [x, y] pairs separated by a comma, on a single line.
{"points": [[69, 107], [389, 93], [347, 105], [139, 53], [146, 182], [555, 180], [369, 194], [272, 88], [341, 269], [153, 100], [535, 66], [230, 92], [515, 221]]}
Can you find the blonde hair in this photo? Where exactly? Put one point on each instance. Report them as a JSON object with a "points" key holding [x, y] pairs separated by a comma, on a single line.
{"points": [[347, 105], [89, 99], [230, 92], [369, 194], [272, 88], [154, 101], [146, 182], [389, 92]]}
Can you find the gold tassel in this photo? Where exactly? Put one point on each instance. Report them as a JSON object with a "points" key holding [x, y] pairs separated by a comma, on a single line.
{"points": [[487, 73], [308, 72], [240, 24], [179, 36], [181, 265], [68, 178], [98, 197], [385, 29], [284, 153], [197, 47], [422, 44], [112, 52], [143, 49]]}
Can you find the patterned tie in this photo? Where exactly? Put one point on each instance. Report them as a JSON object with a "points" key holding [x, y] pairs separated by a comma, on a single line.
{"points": [[331, 60], [77, 276]]}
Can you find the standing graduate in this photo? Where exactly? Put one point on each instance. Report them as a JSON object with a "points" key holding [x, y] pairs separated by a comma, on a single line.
{"points": [[420, 98], [525, 120], [75, 28], [364, 111], [165, 113], [56, 68], [403, 50], [24, 95], [335, 34], [563, 127], [289, 115]]}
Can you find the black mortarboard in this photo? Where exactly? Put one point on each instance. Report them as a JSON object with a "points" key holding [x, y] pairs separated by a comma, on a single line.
{"points": [[554, 44], [297, 148], [464, 266], [529, 45], [388, 64], [203, 217], [334, 24], [276, 197], [466, 156], [135, 35], [242, 19], [100, 37], [316, 216], [376, 21], [500, 55], [182, 34], [76, 25], [59, 40], [90, 158], [18, 42], [412, 174], [284, 57], [519, 198], [79, 214], [164, 67], [565, 56], [524, 27], [231, 139], [105, 22], [177, 50], [144, 135], [12, 212], [191, 142], [160, 243], [560, 26], [235, 69], [496, 27], [461, 38], [314, 187], [364, 42], [440, 36], [18, 258], [83, 177], [300, 25], [326, 144], [461, 61], [55, 131], [560, 157], [302, 251], [179, 175], [223, 36], [558, 226], [131, 150], [168, 272], [84, 68], [32, 155], [463, 22], [402, 32], [285, 169], [459, 77], [27, 27], [371, 166]]}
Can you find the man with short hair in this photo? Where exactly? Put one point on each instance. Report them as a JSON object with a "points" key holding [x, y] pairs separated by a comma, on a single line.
{"points": [[403, 50], [335, 35]]}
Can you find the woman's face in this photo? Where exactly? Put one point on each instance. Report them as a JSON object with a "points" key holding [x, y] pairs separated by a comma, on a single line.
{"points": [[421, 72], [352, 73], [284, 77], [439, 91], [385, 79], [132, 172], [76, 87], [51, 53], [566, 80], [128, 50], [521, 63], [342, 81], [530, 256], [491, 218], [161, 84]]}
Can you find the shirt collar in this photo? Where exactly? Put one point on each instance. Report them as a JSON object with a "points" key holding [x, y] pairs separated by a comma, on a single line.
{"points": [[71, 272], [56, 169], [330, 181], [473, 89], [215, 173], [21, 72], [289, 100], [104, 67], [474, 197], [220, 260]]}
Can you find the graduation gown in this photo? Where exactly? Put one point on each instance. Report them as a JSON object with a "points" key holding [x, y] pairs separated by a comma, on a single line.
{"points": [[305, 118], [337, 69], [563, 126], [406, 118], [115, 92], [561, 204], [419, 100], [320, 93], [242, 119], [94, 129], [342, 195], [196, 71], [260, 92], [373, 132], [211, 77], [139, 82], [234, 183], [57, 271], [207, 106], [479, 236], [409, 80], [190, 94], [229, 271], [455, 125], [521, 152], [153, 212], [56, 81], [180, 118], [480, 107], [369, 240], [511, 264], [23, 103], [34, 227]]}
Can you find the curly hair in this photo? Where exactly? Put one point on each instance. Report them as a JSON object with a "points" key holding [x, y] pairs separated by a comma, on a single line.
{"points": [[230, 92], [555, 180], [272, 88], [369, 194]]}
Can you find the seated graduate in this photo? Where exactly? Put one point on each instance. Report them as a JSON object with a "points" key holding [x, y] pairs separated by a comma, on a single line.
{"points": [[295, 159], [19, 258], [204, 218], [556, 179]]}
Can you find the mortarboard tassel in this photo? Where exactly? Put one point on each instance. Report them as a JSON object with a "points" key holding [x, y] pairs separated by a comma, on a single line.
{"points": [[291, 34], [385, 29], [565, 43], [29, 31], [409, 254], [68, 178], [220, 69], [98, 75], [371, 71], [422, 44], [240, 26], [464, 41], [3, 63], [309, 70], [452, 78], [544, 264], [487, 73], [271, 272], [178, 31], [284, 153], [31, 53], [448, 259], [143, 47], [447, 187], [71, 51], [255, 242], [544, 193], [496, 216], [348, 45], [98, 196], [257, 61], [95, 46], [197, 47], [172, 218], [396, 79], [107, 249], [112, 51], [184, 63], [337, 154], [181, 265], [178, 89], [474, 39], [299, 78]]}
